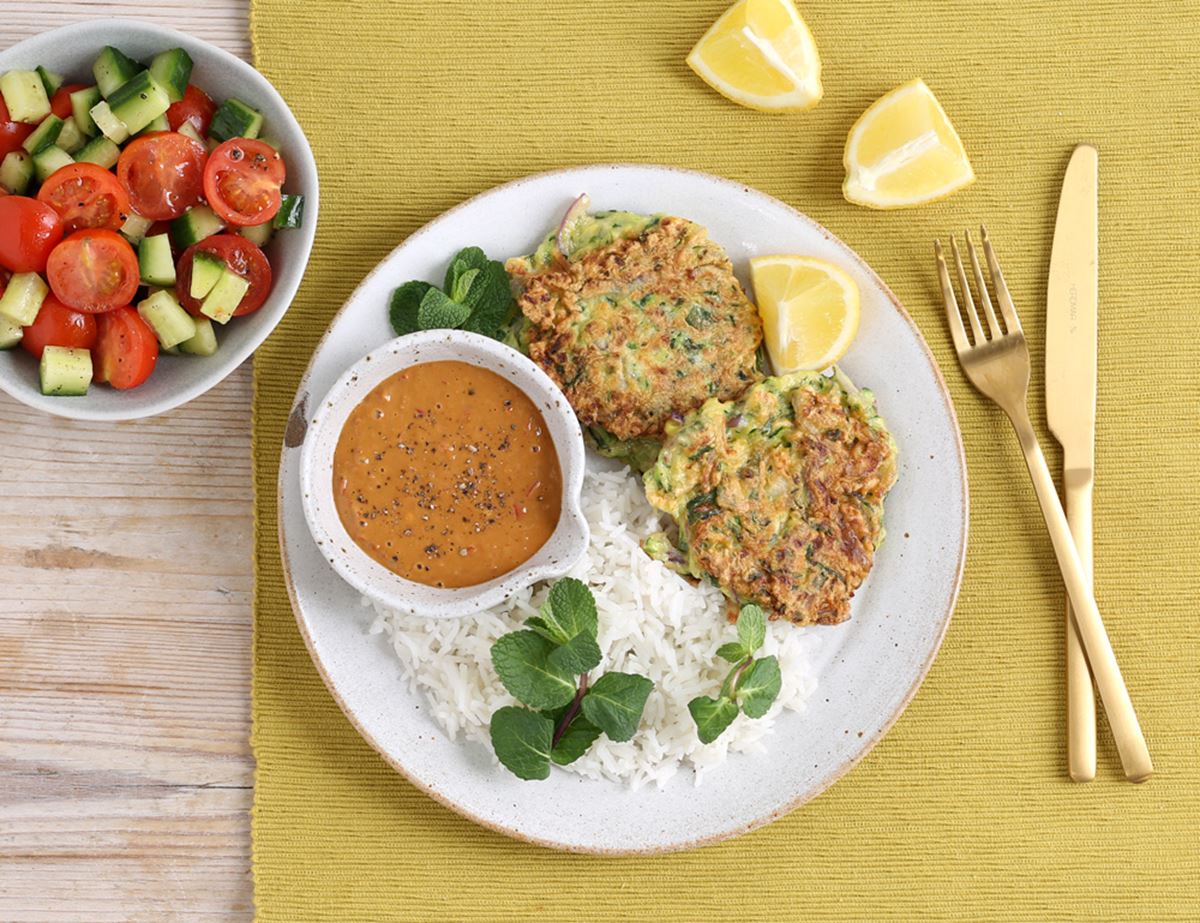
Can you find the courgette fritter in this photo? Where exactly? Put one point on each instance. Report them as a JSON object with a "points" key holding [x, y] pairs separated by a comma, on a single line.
{"points": [[779, 496], [639, 324]]}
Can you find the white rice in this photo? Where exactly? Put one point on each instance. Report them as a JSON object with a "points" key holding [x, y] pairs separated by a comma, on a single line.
{"points": [[652, 622]]}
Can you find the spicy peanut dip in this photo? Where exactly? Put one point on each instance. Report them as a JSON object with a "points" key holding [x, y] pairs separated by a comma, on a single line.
{"points": [[446, 474]]}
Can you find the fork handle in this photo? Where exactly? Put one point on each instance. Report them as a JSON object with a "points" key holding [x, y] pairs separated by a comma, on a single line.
{"points": [[1127, 733], [1081, 699]]}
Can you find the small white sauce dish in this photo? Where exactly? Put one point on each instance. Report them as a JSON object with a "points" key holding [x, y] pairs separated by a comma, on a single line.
{"points": [[566, 544]]}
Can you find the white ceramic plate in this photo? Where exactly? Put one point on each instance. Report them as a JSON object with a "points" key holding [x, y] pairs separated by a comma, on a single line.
{"points": [[868, 668], [71, 51]]}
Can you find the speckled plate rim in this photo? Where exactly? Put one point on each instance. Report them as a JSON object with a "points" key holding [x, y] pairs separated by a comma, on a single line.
{"points": [[294, 438]]}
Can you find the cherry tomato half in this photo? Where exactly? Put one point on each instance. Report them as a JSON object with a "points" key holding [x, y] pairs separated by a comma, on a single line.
{"points": [[93, 271], [163, 172], [242, 257], [196, 107], [12, 134], [29, 230], [85, 196], [60, 102], [58, 325], [126, 349], [242, 181]]}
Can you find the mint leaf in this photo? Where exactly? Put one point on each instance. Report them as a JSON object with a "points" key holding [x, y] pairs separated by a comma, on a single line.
{"points": [[578, 655], [437, 311], [615, 703], [571, 610], [751, 628], [522, 740], [464, 261], [462, 285], [538, 624], [712, 716], [759, 686], [405, 305], [575, 741], [491, 302], [732, 652], [520, 659]]}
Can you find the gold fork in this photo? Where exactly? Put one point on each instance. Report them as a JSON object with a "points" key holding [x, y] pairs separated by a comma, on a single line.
{"points": [[998, 365]]}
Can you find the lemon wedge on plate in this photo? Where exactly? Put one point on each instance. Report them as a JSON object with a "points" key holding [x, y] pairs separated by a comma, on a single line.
{"points": [[760, 54], [903, 151], [810, 310]]}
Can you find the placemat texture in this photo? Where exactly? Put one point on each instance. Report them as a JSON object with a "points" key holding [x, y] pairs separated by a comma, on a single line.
{"points": [[964, 810]]}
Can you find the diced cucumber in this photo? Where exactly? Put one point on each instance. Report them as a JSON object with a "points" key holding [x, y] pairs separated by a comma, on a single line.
{"points": [[206, 272], [225, 296], [70, 138], [24, 96], [291, 212], [155, 261], [257, 234], [113, 69], [135, 228], [235, 120], [44, 135], [110, 126], [159, 124], [16, 172], [47, 161], [50, 80], [194, 225], [172, 324], [100, 151], [23, 298], [188, 130], [139, 102], [204, 343], [65, 372], [10, 333], [172, 69], [170, 350], [81, 110]]}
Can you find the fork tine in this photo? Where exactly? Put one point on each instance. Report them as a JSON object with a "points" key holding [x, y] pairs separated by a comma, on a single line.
{"points": [[968, 300], [1007, 308], [957, 333], [981, 284]]}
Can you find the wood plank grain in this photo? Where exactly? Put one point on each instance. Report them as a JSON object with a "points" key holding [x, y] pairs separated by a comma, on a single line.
{"points": [[125, 554]]}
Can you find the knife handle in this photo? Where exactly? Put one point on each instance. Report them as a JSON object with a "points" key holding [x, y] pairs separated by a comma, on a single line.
{"points": [[1081, 701]]}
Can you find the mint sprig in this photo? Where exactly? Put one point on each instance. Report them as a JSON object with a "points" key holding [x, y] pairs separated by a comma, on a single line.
{"points": [[546, 667], [476, 296], [751, 686]]}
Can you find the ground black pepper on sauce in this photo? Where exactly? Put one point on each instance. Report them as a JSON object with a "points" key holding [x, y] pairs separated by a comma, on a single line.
{"points": [[446, 475]]}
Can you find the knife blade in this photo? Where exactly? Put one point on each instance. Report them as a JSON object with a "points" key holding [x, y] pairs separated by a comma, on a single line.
{"points": [[1071, 321]]}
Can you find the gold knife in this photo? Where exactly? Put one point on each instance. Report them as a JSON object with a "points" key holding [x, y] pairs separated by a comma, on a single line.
{"points": [[1071, 298]]}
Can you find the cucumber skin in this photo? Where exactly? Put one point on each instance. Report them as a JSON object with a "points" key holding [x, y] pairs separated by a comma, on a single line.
{"points": [[172, 69]]}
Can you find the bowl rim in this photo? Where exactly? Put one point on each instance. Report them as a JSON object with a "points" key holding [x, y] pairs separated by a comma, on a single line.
{"points": [[283, 292], [561, 551]]}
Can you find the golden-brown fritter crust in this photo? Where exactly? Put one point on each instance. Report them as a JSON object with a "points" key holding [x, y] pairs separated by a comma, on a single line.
{"points": [[779, 496], [642, 329]]}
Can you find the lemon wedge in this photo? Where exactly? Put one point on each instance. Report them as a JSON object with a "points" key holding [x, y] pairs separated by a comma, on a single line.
{"points": [[810, 310], [903, 151], [761, 54]]}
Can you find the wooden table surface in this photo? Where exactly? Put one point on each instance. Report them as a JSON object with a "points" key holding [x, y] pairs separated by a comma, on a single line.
{"points": [[125, 558]]}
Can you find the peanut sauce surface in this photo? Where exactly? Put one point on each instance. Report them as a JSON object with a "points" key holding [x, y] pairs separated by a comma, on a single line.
{"points": [[446, 475]]}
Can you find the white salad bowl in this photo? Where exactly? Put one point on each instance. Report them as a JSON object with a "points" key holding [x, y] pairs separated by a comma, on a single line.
{"points": [[71, 51], [565, 546]]}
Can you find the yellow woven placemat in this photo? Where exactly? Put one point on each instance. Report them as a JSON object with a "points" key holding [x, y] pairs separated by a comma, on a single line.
{"points": [[963, 810]]}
